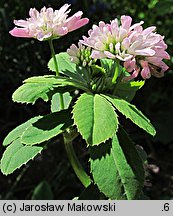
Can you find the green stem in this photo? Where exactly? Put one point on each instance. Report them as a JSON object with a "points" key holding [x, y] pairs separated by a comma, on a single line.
{"points": [[116, 72], [78, 169], [68, 137], [116, 85], [57, 71], [116, 79]]}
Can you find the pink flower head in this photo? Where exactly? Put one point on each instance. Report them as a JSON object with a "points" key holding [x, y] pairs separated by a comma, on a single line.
{"points": [[80, 55], [139, 49], [48, 23], [111, 40], [148, 48]]}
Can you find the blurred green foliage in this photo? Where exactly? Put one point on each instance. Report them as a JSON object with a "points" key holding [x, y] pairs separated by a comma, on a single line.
{"points": [[22, 58]]}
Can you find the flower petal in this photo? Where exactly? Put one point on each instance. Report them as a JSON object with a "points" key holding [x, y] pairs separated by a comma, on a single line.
{"points": [[109, 55], [145, 52], [126, 22], [130, 65], [97, 54], [148, 30], [20, 32], [145, 73], [133, 76]]}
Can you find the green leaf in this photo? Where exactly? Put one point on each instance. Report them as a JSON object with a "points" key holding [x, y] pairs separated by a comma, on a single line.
{"points": [[117, 168], [55, 102], [131, 112], [43, 87], [95, 118], [30, 92], [16, 155], [97, 70], [64, 63], [105, 172], [128, 90], [142, 153], [109, 65], [43, 191], [68, 68], [35, 88], [18, 131], [47, 127], [47, 79], [129, 164], [58, 81]]}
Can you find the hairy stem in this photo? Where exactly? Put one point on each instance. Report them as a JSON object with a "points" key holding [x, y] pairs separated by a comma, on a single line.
{"points": [[57, 71], [78, 169]]}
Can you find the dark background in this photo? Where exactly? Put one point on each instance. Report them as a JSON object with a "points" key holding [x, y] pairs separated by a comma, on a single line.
{"points": [[21, 58]]}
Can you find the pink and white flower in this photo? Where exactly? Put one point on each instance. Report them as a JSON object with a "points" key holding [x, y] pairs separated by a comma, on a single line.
{"points": [[80, 55], [150, 59], [111, 40], [139, 49], [48, 23]]}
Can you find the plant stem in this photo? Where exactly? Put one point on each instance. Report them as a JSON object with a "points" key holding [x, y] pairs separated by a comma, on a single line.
{"points": [[68, 137], [57, 71], [116, 72], [78, 169], [116, 79]]}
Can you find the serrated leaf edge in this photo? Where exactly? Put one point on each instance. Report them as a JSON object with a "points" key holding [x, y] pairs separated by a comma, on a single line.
{"points": [[119, 178], [29, 102], [23, 163], [154, 131], [103, 141], [22, 132], [35, 143]]}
